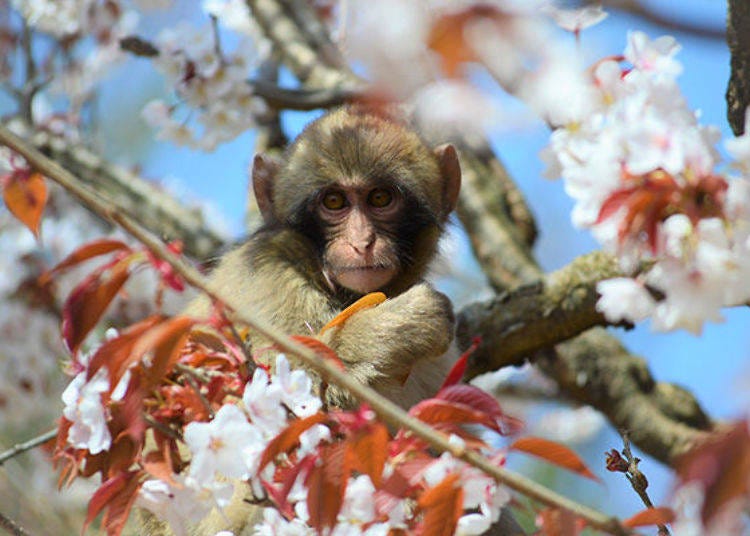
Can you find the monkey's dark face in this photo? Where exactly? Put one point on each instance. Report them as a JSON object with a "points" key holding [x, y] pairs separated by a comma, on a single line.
{"points": [[360, 225]]}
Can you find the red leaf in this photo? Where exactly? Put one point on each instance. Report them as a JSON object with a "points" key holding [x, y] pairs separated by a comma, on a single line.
{"points": [[650, 516], [165, 342], [441, 412], [721, 465], [117, 354], [320, 348], [84, 253], [326, 484], [483, 402], [168, 273], [287, 476], [117, 496], [558, 522], [289, 437], [554, 453], [442, 506], [88, 301], [370, 451], [25, 195], [458, 369]]}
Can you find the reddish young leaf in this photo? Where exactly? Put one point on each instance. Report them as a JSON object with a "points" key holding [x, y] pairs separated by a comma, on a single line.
{"points": [[25, 195], [650, 516], [370, 450], [721, 464], [117, 354], [289, 437], [442, 506], [557, 522], [483, 402], [287, 476], [365, 302], [320, 348], [440, 412], [165, 342], [84, 253], [168, 274], [88, 301], [458, 369], [554, 453], [117, 496], [326, 484]]}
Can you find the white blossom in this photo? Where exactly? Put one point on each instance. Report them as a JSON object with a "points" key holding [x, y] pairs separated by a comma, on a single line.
{"points": [[653, 56], [296, 389], [263, 402], [575, 20], [623, 298], [275, 525], [220, 447], [178, 505], [83, 407]]}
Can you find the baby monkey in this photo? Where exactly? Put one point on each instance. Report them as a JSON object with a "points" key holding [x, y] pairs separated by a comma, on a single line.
{"points": [[356, 205]]}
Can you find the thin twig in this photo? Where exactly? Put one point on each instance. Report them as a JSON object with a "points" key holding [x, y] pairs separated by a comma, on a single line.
{"points": [[387, 410], [637, 479], [27, 445], [11, 526]]}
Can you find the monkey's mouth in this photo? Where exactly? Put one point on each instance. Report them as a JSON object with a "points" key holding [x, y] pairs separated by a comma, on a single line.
{"points": [[364, 279]]}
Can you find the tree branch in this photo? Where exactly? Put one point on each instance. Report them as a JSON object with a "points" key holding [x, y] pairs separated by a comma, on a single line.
{"points": [[738, 39], [534, 316], [27, 445]]}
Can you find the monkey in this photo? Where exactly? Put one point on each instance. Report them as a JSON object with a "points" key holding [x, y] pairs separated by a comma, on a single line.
{"points": [[357, 204]]}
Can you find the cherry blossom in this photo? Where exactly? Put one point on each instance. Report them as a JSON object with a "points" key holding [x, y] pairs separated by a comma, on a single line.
{"points": [[219, 447], [575, 20], [207, 80], [642, 172], [263, 400], [83, 407], [178, 504], [296, 389]]}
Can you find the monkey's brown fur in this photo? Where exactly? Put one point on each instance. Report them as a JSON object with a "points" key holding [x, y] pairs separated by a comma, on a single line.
{"points": [[281, 271]]}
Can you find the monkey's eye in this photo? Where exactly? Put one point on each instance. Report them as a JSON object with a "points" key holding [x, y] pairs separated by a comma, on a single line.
{"points": [[380, 198], [334, 200]]}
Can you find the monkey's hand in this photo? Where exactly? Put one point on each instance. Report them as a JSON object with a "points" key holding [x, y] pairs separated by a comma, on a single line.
{"points": [[380, 345]]}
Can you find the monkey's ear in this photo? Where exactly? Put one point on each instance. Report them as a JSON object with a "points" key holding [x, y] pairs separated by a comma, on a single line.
{"points": [[450, 170], [265, 169]]}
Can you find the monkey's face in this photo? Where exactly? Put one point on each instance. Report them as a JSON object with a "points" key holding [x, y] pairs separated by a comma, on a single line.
{"points": [[360, 224]]}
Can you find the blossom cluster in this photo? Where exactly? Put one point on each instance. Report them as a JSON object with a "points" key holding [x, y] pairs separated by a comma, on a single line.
{"points": [[210, 83], [92, 25], [641, 170]]}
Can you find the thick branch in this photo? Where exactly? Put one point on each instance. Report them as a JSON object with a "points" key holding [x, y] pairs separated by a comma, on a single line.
{"points": [[663, 419], [738, 38], [307, 61], [538, 315], [155, 208]]}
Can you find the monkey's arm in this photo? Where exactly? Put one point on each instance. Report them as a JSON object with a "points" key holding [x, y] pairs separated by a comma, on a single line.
{"points": [[382, 344]]}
